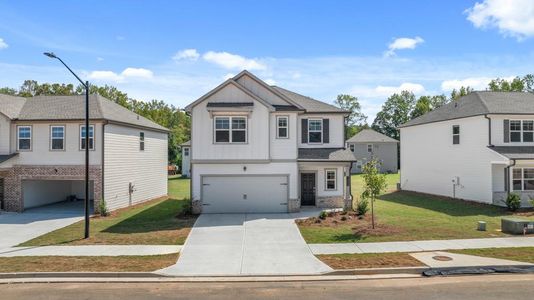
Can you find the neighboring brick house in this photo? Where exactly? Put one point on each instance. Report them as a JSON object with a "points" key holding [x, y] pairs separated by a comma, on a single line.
{"points": [[42, 152], [368, 144], [260, 148]]}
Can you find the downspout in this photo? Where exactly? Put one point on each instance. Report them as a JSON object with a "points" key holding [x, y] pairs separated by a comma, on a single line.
{"points": [[507, 179], [102, 157], [489, 130], [349, 186], [190, 160]]}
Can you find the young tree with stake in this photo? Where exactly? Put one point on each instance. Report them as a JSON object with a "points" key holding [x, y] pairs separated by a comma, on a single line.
{"points": [[374, 184]]}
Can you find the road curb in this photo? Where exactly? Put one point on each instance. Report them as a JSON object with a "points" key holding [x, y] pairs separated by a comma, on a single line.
{"points": [[80, 274], [380, 271]]}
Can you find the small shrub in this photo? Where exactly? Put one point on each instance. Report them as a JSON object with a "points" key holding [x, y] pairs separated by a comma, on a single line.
{"points": [[187, 208], [323, 215], [513, 201], [102, 208], [363, 207]]}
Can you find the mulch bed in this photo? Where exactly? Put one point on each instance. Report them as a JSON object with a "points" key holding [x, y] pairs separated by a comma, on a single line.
{"points": [[369, 260]]}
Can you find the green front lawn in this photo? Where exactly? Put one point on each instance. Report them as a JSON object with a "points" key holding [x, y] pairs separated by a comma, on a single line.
{"points": [[522, 254], [405, 216], [152, 223]]}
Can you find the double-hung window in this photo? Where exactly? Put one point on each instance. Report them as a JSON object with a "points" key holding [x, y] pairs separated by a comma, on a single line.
{"points": [[315, 131], [455, 134], [230, 129], [186, 151], [91, 137], [330, 178], [351, 147], [282, 124], [57, 137], [24, 137], [141, 141], [521, 131], [523, 179], [370, 148]]}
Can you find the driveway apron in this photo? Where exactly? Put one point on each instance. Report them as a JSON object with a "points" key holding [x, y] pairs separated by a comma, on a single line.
{"points": [[245, 244]]}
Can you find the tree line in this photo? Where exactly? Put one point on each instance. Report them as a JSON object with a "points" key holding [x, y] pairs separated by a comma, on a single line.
{"points": [[158, 111], [402, 107]]}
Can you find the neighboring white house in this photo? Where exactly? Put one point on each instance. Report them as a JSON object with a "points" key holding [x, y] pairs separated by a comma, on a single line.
{"points": [[259, 148], [368, 144], [42, 152], [479, 148], [186, 159]]}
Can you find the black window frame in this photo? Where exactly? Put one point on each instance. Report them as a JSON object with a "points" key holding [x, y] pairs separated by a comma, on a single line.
{"points": [[141, 141], [456, 134]]}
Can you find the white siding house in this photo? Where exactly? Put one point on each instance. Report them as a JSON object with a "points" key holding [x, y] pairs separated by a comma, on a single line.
{"points": [[259, 148], [42, 153], [467, 148]]}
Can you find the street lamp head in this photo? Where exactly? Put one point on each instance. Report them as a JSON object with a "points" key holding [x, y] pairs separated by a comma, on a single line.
{"points": [[50, 54]]}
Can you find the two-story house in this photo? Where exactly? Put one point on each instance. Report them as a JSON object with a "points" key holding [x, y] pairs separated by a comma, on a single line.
{"points": [[260, 148], [369, 144], [42, 152], [479, 148]]}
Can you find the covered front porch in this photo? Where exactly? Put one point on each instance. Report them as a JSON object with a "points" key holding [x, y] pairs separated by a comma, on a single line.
{"points": [[515, 177]]}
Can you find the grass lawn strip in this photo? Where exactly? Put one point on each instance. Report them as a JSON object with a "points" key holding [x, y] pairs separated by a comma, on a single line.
{"points": [[86, 263], [151, 223], [522, 254], [369, 260], [407, 216]]}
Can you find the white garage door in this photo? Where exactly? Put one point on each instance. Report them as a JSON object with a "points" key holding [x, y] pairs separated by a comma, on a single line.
{"points": [[240, 194]]}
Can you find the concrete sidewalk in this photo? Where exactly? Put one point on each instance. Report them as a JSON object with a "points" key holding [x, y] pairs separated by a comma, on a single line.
{"points": [[91, 250], [418, 246]]}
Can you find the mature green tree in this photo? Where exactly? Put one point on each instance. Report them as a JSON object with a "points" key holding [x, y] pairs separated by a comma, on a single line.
{"points": [[395, 111], [503, 85], [356, 119], [422, 106], [462, 91]]}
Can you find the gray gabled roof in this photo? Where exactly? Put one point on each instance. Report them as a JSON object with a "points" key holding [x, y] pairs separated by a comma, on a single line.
{"points": [[186, 144], [326, 154], [10, 106], [309, 104], [72, 108], [371, 136], [515, 152], [479, 103]]}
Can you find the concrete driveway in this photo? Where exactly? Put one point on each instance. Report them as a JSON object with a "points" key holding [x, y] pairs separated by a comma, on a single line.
{"points": [[16, 228], [246, 244]]}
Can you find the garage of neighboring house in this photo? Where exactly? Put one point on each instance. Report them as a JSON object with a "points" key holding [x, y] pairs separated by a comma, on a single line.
{"points": [[36, 193], [245, 194]]}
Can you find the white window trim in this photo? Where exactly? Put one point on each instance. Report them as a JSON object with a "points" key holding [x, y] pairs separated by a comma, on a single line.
{"points": [[141, 140], [521, 131], [522, 179], [321, 131], [456, 134], [230, 118], [186, 149], [370, 146], [278, 127], [80, 137], [52, 138], [31, 137], [326, 179]]}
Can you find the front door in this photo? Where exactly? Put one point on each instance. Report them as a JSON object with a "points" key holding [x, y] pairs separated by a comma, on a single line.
{"points": [[307, 188]]}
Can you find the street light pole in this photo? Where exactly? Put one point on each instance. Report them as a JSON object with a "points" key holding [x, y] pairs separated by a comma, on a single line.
{"points": [[87, 132]]}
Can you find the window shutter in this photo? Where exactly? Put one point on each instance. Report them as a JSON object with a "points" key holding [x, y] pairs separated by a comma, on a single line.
{"points": [[506, 131], [304, 131], [326, 131]]}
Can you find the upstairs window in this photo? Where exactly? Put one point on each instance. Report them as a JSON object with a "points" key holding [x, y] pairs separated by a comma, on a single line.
{"points": [[370, 148], [330, 178], [141, 141], [351, 147], [57, 137], [230, 129], [521, 131], [315, 131], [91, 137], [186, 151], [24, 138], [456, 134], [282, 127]]}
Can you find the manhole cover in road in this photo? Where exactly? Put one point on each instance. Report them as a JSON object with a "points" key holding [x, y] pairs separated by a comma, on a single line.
{"points": [[442, 258]]}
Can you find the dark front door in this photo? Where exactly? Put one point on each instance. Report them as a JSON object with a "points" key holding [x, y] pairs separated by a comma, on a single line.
{"points": [[307, 188]]}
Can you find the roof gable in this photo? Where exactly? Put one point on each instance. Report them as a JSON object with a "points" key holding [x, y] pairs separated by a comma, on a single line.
{"points": [[309, 104], [371, 136], [10, 106]]}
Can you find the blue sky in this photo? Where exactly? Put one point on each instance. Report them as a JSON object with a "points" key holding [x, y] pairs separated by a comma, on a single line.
{"points": [[177, 51]]}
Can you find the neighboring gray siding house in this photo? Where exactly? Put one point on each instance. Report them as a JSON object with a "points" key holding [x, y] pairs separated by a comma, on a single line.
{"points": [[367, 144], [479, 148], [186, 159], [42, 152]]}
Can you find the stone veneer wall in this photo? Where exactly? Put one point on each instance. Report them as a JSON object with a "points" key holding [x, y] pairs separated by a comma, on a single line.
{"points": [[293, 205], [330, 202], [13, 200]]}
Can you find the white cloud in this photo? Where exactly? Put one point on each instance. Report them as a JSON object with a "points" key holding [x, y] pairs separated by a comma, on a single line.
{"points": [[186, 54], [477, 83], [232, 61], [3, 44], [137, 72], [415, 88], [512, 17], [127, 73], [403, 43]]}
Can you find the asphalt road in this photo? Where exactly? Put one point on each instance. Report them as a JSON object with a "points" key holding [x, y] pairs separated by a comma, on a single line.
{"points": [[468, 287]]}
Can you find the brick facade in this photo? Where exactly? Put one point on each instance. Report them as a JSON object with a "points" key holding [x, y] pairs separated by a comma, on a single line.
{"points": [[13, 177]]}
